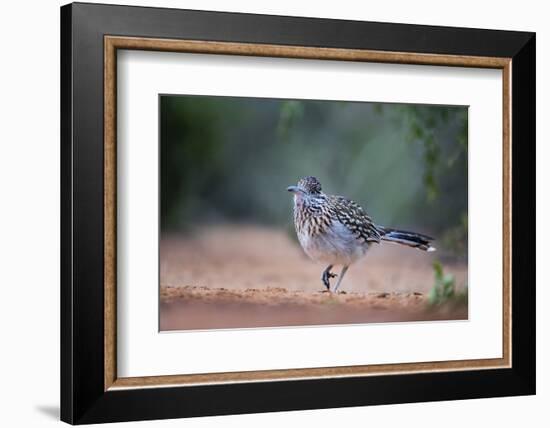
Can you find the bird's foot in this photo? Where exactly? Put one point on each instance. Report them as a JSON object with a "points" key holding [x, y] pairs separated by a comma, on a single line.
{"points": [[327, 274]]}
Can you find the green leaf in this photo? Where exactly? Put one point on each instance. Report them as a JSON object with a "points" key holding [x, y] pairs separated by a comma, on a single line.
{"points": [[443, 289], [438, 269], [432, 296]]}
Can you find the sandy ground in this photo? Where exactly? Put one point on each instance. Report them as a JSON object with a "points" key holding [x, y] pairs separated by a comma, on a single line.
{"points": [[238, 277]]}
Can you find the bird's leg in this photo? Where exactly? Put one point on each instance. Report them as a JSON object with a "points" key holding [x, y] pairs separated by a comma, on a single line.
{"points": [[344, 270], [327, 274]]}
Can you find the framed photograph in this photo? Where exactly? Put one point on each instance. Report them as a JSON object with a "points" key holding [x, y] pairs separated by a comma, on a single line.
{"points": [[266, 213]]}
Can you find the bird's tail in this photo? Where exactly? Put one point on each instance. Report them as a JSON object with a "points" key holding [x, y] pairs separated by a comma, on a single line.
{"points": [[411, 239]]}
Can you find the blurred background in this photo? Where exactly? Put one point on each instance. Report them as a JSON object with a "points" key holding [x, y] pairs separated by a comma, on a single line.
{"points": [[229, 160], [229, 257]]}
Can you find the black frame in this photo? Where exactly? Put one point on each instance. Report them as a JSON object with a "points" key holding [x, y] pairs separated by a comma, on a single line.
{"points": [[83, 399]]}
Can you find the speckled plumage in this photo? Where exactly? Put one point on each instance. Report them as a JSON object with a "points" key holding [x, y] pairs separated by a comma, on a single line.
{"points": [[336, 230]]}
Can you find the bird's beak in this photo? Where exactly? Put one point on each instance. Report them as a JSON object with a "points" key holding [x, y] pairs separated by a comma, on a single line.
{"points": [[293, 189]]}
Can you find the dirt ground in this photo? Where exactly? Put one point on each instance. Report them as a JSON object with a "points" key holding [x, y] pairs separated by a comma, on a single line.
{"points": [[242, 277]]}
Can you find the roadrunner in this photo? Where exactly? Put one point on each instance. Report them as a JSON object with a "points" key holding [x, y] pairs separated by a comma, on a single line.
{"points": [[337, 231]]}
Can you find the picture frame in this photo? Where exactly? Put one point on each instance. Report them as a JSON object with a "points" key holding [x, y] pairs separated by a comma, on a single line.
{"points": [[91, 35]]}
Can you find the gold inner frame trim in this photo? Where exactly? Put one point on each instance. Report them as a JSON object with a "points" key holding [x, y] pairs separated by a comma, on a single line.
{"points": [[113, 43]]}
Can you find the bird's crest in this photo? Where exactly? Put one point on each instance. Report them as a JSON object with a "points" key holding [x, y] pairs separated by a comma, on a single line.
{"points": [[310, 184]]}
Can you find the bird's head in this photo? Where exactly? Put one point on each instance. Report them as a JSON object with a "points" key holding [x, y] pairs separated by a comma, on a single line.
{"points": [[307, 187]]}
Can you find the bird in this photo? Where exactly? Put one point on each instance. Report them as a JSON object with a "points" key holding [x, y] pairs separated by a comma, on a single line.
{"points": [[337, 231]]}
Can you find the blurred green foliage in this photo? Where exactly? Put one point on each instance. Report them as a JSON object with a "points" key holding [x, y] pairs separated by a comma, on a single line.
{"points": [[444, 290], [427, 126], [290, 113], [444, 287], [229, 159]]}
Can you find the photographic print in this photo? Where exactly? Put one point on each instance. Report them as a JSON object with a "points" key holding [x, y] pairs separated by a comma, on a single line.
{"points": [[279, 212]]}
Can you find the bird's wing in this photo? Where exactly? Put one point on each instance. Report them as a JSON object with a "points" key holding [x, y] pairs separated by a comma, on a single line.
{"points": [[354, 217]]}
